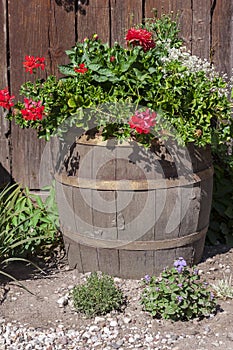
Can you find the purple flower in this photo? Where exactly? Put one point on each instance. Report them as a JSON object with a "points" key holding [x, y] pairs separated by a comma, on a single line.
{"points": [[157, 289], [211, 295], [147, 278], [179, 269], [196, 272], [180, 285], [179, 298], [179, 264]]}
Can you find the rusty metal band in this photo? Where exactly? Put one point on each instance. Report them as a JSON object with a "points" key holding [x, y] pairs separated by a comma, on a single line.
{"points": [[137, 245], [134, 185]]}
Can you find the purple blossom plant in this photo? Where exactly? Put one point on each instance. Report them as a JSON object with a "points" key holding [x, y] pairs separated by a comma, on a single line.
{"points": [[179, 264]]}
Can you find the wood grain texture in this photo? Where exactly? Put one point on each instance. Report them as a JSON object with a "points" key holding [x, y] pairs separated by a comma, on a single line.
{"points": [[222, 35], [94, 19], [135, 231], [201, 28], [4, 125], [124, 15]]}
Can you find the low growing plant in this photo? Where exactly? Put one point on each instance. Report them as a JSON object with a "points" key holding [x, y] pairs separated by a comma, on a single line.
{"points": [[97, 296], [27, 224], [224, 288], [178, 294]]}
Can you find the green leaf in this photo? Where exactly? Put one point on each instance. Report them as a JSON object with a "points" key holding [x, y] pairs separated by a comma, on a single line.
{"points": [[71, 103]]}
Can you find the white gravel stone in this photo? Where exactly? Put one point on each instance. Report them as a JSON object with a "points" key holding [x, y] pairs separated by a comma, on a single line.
{"points": [[127, 320], [99, 319], [113, 323], [63, 301]]}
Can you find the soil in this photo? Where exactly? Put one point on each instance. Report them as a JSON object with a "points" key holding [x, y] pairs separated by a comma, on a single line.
{"points": [[41, 309]]}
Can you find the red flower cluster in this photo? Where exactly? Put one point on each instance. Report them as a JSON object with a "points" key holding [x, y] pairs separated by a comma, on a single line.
{"points": [[31, 63], [33, 110], [6, 101], [142, 121], [140, 37], [82, 69]]}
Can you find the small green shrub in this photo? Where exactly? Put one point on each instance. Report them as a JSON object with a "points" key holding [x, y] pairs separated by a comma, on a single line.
{"points": [[223, 288], [178, 294], [97, 296], [27, 224]]}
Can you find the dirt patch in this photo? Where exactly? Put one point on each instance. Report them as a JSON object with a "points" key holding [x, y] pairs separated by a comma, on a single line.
{"points": [[42, 310]]}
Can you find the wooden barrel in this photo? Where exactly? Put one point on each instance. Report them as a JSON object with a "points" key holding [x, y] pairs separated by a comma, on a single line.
{"points": [[129, 211]]}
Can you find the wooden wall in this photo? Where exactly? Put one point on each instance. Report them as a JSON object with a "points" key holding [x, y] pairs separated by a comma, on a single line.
{"points": [[48, 27]]}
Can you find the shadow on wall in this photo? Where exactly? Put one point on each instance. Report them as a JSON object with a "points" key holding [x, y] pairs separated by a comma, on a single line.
{"points": [[73, 5], [5, 177]]}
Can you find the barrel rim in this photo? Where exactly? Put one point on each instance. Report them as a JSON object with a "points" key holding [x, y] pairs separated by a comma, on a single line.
{"points": [[135, 185]]}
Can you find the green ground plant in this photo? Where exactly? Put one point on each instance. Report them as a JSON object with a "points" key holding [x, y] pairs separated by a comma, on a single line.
{"points": [[97, 296], [28, 226], [223, 288], [178, 294]]}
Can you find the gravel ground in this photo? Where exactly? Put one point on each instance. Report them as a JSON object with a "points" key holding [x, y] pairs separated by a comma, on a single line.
{"points": [[48, 321]]}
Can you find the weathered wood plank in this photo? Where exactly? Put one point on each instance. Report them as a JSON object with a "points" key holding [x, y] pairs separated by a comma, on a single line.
{"points": [[124, 15], [94, 19], [222, 35], [89, 258], [82, 208], [201, 28], [4, 125], [64, 196], [133, 261], [109, 261], [73, 253], [47, 33], [190, 203], [168, 213]]}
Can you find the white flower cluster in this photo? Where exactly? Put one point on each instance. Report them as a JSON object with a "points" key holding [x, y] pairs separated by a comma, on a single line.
{"points": [[194, 64]]}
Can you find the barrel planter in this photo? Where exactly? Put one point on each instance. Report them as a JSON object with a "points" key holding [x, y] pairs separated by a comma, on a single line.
{"points": [[130, 211]]}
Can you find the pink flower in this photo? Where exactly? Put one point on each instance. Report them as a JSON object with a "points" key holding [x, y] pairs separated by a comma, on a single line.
{"points": [[82, 69], [31, 63], [140, 37], [142, 121], [6, 100], [33, 110], [112, 58]]}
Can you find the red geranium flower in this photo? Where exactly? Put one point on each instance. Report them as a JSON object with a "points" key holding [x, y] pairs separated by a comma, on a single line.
{"points": [[31, 63], [82, 69], [112, 58], [142, 121], [33, 110], [140, 37], [6, 99]]}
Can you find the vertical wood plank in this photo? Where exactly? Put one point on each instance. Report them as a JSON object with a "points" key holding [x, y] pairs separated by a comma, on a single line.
{"points": [[94, 18], [47, 33], [133, 261], [109, 261], [124, 14], [168, 213], [180, 7], [201, 29], [222, 35], [4, 125]]}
